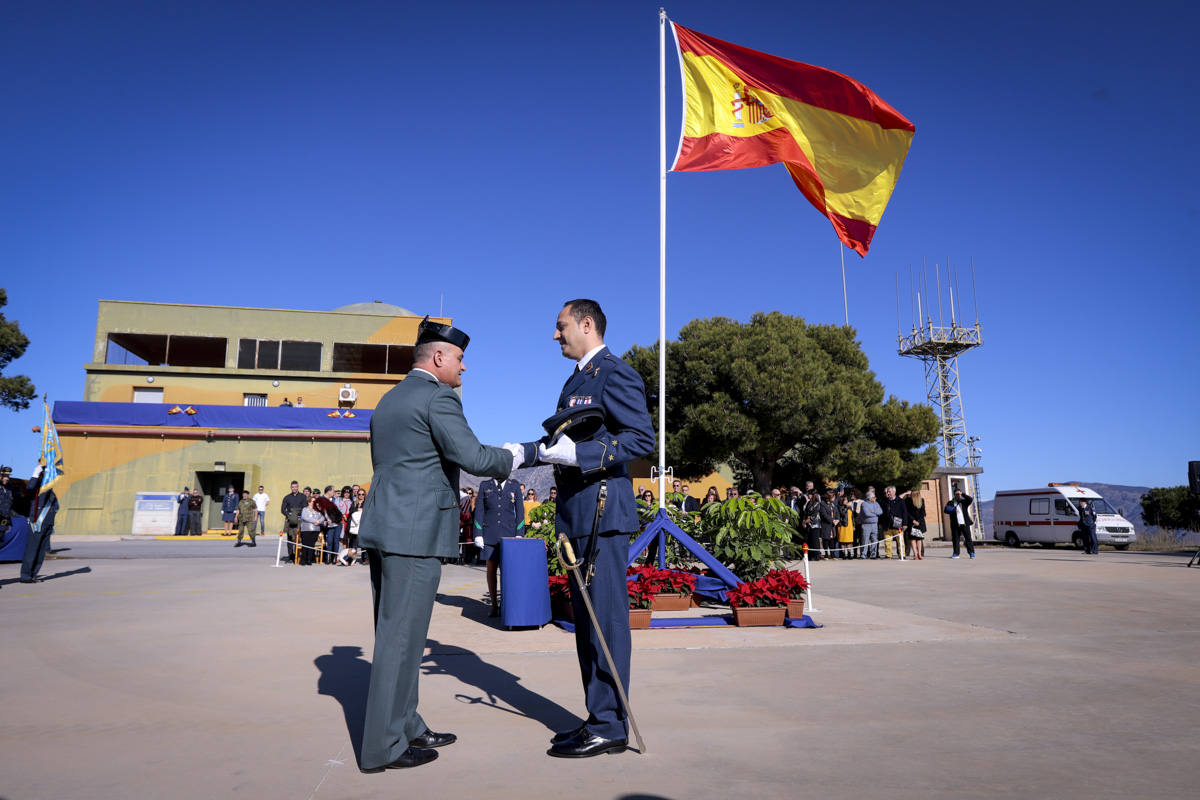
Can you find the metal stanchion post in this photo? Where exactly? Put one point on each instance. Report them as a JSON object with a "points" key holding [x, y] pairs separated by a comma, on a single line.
{"points": [[808, 601], [279, 552], [900, 543]]}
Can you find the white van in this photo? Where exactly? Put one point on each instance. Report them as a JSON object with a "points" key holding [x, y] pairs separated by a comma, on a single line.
{"points": [[1049, 516]]}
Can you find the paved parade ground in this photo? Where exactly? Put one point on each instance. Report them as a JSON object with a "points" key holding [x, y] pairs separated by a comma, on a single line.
{"points": [[193, 670]]}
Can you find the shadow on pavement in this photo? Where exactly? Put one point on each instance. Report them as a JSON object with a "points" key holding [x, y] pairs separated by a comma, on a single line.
{"points": [[52, 577], [501, 689], [345, 676], [476, 610]]}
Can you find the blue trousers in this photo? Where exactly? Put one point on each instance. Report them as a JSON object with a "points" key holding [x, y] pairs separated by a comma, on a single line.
{"points": [[181, 523], [35, 552], [610, 597]]}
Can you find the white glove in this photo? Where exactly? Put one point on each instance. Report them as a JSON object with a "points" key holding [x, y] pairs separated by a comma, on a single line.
{"points": [[40, 469], [518, 453], [479, 541], [561, 452]]}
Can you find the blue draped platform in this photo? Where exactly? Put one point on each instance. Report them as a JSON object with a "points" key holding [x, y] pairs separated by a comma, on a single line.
{"points": [[72, 412], [12, 546], [525, 594]]}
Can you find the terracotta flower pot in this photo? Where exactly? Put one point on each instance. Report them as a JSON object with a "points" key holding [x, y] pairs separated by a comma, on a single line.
{"points": [[795, 608], [671, 602], [754, 616], [639, 618]]}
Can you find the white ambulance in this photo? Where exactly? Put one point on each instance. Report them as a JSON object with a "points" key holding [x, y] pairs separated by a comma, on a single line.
{"points": [[1051, 515]]}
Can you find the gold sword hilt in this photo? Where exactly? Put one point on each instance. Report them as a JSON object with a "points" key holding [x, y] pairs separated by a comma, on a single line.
{"points": [[566, 553]]}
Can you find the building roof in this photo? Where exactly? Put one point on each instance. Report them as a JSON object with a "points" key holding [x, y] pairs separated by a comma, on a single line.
{"points": [[378, 307]]}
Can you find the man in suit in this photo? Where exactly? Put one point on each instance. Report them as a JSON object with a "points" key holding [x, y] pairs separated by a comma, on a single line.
{"points": [[626, 433], [419, 442], [499, 512], [690, 504], [959, 512]]}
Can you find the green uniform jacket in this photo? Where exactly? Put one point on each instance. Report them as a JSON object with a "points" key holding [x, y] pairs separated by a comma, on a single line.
{"points": [[419, 441]]}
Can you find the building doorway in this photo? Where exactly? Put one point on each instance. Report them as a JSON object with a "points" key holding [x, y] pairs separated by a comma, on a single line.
{"points": [[212, 486]]}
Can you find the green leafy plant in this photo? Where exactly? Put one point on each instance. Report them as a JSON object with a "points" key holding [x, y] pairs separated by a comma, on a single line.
{"points": [[541, 526], [750, 534]]}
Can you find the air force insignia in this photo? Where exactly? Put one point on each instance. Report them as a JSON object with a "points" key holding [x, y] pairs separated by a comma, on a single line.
{"points": [[580, 400]]}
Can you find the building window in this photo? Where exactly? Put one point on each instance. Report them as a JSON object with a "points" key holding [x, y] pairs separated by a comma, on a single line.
{"points": [[389, 359], [255, 400], [304, 356], [274, 354], [147, 395], [136, 348], [1040, 507], [154, 349]]}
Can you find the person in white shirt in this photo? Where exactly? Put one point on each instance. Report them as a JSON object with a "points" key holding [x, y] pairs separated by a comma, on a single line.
{"points": [[261, 501]]}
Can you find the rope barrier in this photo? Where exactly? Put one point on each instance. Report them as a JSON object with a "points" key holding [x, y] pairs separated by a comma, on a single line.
{"points": [[298, 543]]}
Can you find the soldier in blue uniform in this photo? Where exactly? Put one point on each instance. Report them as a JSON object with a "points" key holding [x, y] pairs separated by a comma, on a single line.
{"points": [[499, 512], [604, 381]]}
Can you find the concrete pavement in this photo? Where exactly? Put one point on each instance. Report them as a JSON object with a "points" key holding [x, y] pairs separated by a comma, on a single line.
{"points": [[1030, 673]]}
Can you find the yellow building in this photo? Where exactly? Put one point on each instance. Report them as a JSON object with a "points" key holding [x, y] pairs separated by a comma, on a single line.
{"points": [[184, 395]]}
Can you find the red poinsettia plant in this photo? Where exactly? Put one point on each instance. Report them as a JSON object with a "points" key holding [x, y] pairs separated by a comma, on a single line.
{"points": [[665, 581], [560, 587], [762, 593], [790, 580], [641, 593]]}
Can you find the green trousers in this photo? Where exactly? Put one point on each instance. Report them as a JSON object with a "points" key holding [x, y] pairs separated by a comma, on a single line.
{"points": [[404, 588], [246, 528]]}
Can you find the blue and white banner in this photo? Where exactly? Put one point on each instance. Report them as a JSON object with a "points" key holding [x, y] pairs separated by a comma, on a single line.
{"points": [[52, 455]]}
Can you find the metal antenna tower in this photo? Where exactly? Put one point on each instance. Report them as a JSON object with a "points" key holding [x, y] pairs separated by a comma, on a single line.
{"points": [[937, 346]]}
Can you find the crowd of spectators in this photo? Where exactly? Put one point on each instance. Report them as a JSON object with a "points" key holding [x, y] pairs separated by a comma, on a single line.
{"points": [[835, 522]]}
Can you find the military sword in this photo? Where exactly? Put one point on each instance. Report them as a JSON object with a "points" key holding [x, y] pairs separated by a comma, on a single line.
{"points": [[566, 555]]}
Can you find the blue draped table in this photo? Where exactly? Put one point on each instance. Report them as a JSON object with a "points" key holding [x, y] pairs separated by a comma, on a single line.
{"points": [[525, 593]]}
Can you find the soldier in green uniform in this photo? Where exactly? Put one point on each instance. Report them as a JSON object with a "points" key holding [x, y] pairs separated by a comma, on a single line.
{"points": [[419, 442], [247, 518]]}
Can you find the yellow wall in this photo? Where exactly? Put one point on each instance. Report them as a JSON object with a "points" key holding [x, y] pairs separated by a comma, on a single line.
{"points": [[105, 472]]}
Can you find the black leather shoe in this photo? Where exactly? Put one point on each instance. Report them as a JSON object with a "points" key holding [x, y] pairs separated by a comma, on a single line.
{"points": [[495, 611], [412, 757], [431, 739], [563, 736], [31, 580], [586, 746]]}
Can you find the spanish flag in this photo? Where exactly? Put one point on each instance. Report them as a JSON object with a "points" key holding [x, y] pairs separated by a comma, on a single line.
{"points": [[843, 145]]}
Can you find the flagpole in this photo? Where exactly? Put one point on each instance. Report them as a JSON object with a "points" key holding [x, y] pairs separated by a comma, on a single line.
{"points": [[662, 257], [845, 302]]}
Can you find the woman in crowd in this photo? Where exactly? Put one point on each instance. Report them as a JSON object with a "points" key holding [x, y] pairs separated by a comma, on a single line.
{"points": [[711, 496], [870, 511], [856, 511], [311, 521], [845, 531], [828, 520], [349, 552], [648, 497], [812, 524], [916, 511], [531, 502]]}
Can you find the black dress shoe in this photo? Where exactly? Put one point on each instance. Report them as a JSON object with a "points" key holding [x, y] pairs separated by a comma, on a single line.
{"points": [[495, 611], [431, 739], [412, 757], [586, 746], [31, 580], [563, 736]]}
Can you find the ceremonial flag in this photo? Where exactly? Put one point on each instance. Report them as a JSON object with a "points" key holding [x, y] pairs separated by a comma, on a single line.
{"points": [[51, 450], [843, 145]]}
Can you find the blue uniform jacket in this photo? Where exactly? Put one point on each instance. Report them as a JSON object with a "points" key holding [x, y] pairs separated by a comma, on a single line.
{"points": [[627, 434], [499, 511]]}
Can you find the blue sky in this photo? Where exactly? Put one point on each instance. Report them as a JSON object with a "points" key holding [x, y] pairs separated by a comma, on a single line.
{"points": [[504, 157]]}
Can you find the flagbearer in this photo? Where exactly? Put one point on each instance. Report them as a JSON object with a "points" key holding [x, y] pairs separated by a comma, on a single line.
{"points": [[602, 381], [43, 509]]}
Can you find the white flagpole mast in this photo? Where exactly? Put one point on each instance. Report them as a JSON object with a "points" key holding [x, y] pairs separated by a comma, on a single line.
{"points": [[662, 257]]}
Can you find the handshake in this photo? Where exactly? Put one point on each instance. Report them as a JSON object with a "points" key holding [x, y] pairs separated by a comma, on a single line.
{"points": [[562, 452]]}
